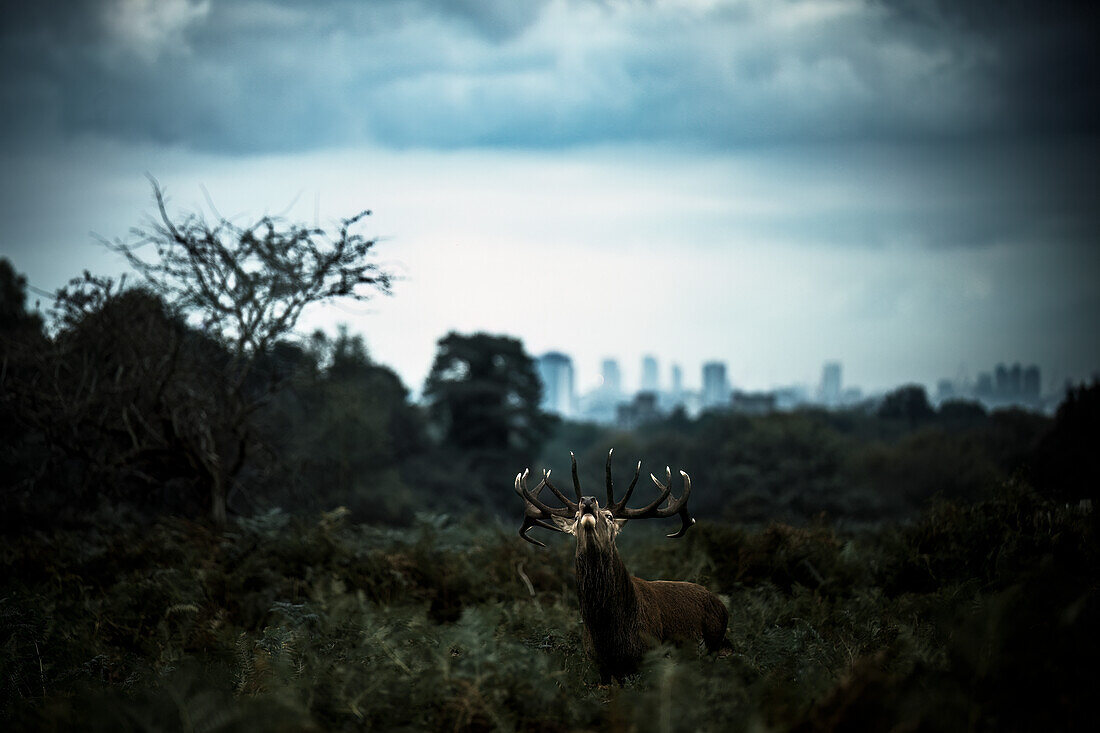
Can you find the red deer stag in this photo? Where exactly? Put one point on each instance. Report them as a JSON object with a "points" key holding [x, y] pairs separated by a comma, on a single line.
{"points": [[624, 615]]}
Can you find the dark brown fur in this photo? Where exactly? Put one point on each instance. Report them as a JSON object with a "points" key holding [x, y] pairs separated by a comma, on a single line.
{"points": [[624, 615]]}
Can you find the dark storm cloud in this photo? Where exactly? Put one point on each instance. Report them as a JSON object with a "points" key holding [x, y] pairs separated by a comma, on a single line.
{"points": [[275, 75], [1046, 66], [225, 77]]}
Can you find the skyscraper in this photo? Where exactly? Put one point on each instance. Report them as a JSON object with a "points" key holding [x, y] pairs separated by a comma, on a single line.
{"points": [[556, 372], [1001, 387], [677, 380], [716, 388], [1015, 380], [1032, 386], [612, 377], [830, 383], [984, 387], [649, 374]]}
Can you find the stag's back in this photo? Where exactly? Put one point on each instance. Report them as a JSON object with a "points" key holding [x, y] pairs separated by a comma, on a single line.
{"points": [[681, 612]]}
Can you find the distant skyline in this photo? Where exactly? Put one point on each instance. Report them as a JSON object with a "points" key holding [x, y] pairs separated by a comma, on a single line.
{"points": [[908, 188], [1005, 386], [832, 378]]}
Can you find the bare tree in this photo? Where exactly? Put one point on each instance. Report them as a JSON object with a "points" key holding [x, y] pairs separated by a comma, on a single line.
{"points": [[249, 284], [246, 286]]}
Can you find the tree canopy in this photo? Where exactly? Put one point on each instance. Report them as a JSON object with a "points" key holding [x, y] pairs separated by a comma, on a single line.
{"points": [[483, 395]]}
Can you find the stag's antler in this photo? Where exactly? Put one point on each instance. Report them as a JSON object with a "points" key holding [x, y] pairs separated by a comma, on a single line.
{"points": [[654, 510], [616, 508], [576, 486], [535, 512]]}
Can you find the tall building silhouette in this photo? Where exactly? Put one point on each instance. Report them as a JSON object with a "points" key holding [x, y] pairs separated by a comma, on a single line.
{"points": [[612, 377], [556, 372], [716, 388], [650, 381], [830, 383], [983, 389], [1010, 385], [1015, 380], [1001, 383], [1032, 387], [677, 380]]}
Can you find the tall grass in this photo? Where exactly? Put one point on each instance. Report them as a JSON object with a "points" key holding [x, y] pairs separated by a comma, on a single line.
{"points": [[976, 617]]}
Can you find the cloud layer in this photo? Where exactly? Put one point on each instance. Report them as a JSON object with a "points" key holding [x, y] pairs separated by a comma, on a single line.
{"points": [[281, 76], [901, 184]]}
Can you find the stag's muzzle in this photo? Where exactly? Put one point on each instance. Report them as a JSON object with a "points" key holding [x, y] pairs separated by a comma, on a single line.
{"points": [[587, 508]]}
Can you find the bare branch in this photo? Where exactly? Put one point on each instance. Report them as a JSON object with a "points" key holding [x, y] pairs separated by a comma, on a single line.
{"points": [[250, 284]]}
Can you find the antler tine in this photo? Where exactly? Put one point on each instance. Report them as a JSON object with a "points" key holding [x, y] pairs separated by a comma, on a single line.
{"points": [[561, 497], [615, 509], [518, 488], [532, 498], [528, 523], [523, 483], [576, 481], [610, 483], [667, 485], [650, 509], [675, 506], [680, 507]]}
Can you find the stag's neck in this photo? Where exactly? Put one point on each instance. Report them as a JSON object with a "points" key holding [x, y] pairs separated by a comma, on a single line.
{"points": [[604, 587]]}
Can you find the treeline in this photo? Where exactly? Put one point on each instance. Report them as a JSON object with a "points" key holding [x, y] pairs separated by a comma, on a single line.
{"points": [[125, 398], [882, 461]]}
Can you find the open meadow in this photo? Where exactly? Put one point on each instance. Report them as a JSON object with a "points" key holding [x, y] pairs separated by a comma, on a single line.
{"points": [[979, 616]]}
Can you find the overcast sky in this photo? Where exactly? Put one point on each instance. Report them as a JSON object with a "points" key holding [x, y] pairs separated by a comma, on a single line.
{"points": [[907, 186]]}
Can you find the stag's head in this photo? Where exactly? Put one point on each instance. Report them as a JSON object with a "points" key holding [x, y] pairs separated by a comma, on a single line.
{"points": [[595, 526]]}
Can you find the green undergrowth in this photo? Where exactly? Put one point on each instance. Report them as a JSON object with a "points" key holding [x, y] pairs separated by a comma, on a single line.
{"points": [[976, 617]]}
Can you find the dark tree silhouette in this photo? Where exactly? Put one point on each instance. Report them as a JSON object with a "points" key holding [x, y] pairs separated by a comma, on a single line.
{"points": [[962, 412], [246, 287], [105, 408], [908, 403], [1067, 463], [13, 302], [346, 427], [483, 396], [21, 338]]}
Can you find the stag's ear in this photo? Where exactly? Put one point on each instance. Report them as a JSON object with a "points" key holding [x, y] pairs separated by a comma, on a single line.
{"points": [[619, 524], [565, 525]]}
